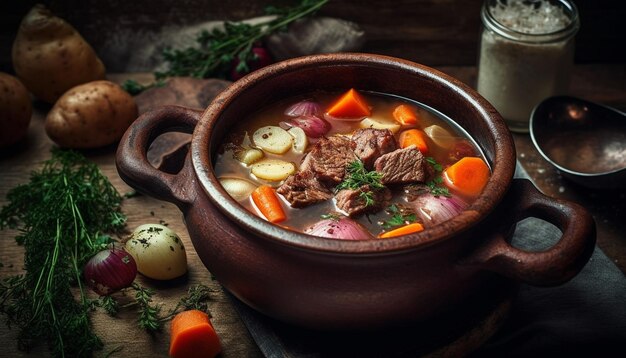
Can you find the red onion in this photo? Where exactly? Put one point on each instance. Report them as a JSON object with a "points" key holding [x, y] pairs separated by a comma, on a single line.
{"points": [[303, 108], [110, 271], [330, 118], [313, 126], [261, 58], [343, 228], [435, 209]]}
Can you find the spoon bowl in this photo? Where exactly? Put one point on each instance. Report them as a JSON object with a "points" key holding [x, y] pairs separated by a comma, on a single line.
{"points": [[585, 141]]}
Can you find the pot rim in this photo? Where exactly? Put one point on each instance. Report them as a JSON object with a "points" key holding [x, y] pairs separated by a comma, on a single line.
{"points": [[502, 165]]}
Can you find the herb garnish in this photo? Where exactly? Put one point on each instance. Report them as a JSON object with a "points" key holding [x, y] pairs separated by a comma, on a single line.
{"points": [[61, 214], [357, 176], [217, 50], [434, 185], [331, 216], [150, 317], [400, 216], [133, 87]]}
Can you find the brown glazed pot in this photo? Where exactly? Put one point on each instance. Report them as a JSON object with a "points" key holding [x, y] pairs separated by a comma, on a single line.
{"points": [[324, 283]]}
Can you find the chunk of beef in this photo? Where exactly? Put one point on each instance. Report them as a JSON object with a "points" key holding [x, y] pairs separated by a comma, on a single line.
{"points": [[329, 158], [352, 201], [371, 143], [302, 189], [403, 166]]}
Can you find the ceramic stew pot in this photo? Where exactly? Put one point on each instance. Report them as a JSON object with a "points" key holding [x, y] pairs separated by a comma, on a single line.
{"points": [[325, 283]]}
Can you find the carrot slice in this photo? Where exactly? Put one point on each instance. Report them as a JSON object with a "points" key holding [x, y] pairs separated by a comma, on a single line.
{"points": [[268, 203], [350, 105], [405, 115], [403, 230], [192, 335], [467, 177], [414, 137]]}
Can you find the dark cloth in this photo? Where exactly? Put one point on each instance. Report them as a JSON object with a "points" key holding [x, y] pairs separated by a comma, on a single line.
{"points": [[583, 317]]}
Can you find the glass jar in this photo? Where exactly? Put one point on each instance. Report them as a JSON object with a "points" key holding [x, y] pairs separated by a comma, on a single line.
{"points": [[526, 54]]}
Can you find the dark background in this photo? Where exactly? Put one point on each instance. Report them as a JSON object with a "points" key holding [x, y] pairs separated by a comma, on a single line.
{"points": [[432, 32]]}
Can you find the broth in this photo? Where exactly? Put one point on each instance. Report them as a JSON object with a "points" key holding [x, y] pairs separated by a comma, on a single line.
{"points": [[382, 106]]}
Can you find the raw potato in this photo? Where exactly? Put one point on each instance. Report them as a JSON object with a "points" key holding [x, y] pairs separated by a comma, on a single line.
{"points": [[368, 122], [273, 169], [91, 115], [300, 140], [273, 139], [238, 188], [50, 57], [158, 252], [15, 110]]}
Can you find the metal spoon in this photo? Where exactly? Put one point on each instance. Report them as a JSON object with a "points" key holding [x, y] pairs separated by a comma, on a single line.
{"points": [[585, 141]]}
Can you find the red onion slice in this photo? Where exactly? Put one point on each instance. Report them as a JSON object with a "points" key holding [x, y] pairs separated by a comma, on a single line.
{"points": [[313, 126], [303, 108], [343, 229], [436, 209]]}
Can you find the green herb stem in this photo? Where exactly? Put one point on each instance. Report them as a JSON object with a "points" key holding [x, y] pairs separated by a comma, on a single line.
{"points": [[66, 204]]}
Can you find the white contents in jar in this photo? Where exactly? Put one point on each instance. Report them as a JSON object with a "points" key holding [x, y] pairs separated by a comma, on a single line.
{"points": [[525, 63]]}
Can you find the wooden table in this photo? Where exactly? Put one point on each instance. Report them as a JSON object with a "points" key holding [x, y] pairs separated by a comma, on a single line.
{"points": [[602, 83]]}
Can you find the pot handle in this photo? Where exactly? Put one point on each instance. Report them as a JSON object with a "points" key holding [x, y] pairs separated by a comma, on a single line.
{"points": [[555, 265], [132, 154]]}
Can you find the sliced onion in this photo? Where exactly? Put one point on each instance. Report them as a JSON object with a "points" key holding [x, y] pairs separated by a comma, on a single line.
{"points": [[436, 209], [313, 126], [303, 108], [343, 229], [330, 118]]}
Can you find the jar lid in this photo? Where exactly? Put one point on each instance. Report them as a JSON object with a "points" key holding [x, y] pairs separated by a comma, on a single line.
{"points": [[532, 21]]}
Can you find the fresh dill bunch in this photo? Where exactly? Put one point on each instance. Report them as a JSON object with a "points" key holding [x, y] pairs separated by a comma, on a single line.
{"points": [[357, 177], [61, 214]]}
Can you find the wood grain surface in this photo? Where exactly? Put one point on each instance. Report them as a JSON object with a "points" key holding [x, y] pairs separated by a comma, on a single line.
{"points": [[15, 165], [602, 83]]}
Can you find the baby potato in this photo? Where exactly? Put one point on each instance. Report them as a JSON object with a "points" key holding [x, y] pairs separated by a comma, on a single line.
{"points": [[91, 115], [378, 123], [272, 139], [158, 252], [15, 110], [51, 57], [273, 169]]}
